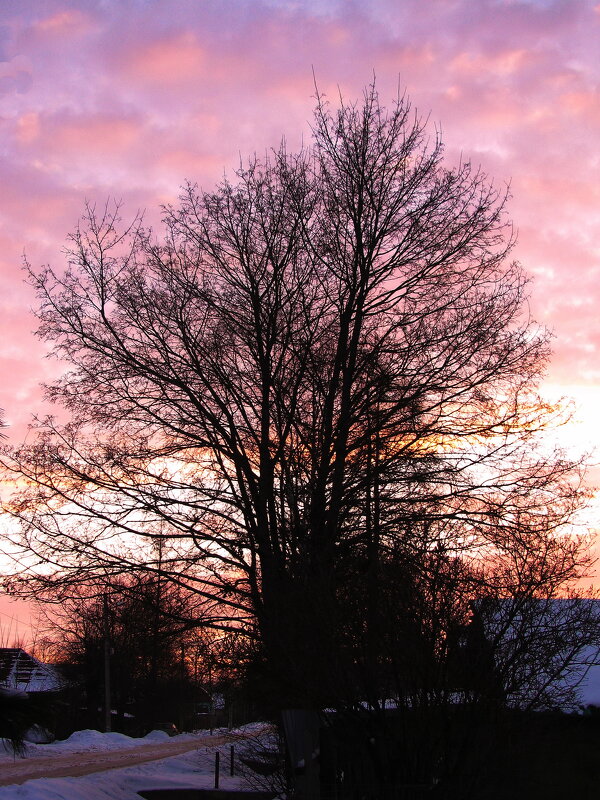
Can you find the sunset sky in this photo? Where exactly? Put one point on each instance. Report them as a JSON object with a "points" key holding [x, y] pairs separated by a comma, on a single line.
{"points": [[129, 98]]}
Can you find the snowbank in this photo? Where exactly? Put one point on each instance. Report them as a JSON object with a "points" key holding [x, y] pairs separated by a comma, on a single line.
{"points": [[92, 741], [194, 769]]}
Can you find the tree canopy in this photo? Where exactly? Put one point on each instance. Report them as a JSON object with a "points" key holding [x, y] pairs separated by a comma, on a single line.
{"points": [[319, 380]]}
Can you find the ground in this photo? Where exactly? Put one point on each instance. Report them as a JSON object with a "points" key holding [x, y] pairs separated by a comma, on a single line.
{"points": [[96, 766]]}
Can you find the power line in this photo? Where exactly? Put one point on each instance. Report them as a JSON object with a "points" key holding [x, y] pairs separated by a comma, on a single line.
{"points": [[13, 618]]}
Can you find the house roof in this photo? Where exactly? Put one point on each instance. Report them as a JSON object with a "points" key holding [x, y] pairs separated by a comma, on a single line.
{"points": [[19, 670], [561, 655]]}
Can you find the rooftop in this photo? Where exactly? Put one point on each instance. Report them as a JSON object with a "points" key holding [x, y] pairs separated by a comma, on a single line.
{"points": [[19, 670]]}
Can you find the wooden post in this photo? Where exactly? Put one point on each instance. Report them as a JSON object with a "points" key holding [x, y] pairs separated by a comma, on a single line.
{"points": [[217, 766]]}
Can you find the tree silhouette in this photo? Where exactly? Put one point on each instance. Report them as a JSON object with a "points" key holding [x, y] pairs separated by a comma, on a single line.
{"points": [[146, 624], [321, 363]]}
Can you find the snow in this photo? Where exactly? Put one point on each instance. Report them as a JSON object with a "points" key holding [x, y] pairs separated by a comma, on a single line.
{"points": [[589, 688], [194, 769], [189, 770], [90, 741], [94, 740]]}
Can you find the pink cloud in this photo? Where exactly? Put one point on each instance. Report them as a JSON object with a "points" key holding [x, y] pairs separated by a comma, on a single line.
{"points": [[178, 59], [62, 23], [97, 134], [502, 64], [130, 99], [582, 103]]}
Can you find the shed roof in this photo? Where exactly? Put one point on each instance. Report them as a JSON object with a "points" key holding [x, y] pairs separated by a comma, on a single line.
{"points": [[19, 670]]}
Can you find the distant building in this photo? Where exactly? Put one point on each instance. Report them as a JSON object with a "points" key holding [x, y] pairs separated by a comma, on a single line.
{"points": [[546, 651], [20, 671]]}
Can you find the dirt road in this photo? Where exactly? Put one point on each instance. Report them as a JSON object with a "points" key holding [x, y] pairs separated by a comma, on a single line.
{"points": [[75, 764]]}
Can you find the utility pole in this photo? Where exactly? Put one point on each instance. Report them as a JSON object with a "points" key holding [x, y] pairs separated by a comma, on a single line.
{"points": [[107, 703]]}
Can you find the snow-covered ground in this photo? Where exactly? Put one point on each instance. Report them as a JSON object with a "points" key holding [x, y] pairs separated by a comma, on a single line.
{"points": [[91, 741], [194, 769]]}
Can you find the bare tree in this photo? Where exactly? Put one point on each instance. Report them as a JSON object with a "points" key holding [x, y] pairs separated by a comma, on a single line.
{"points": [[143, 622], [325, 361]]}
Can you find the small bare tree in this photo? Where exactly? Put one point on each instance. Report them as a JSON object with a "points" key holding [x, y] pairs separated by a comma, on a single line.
{"points": [[143, 625]]}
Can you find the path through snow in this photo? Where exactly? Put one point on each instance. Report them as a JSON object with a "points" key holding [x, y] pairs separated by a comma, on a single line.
{"points": [[160, 762]]}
